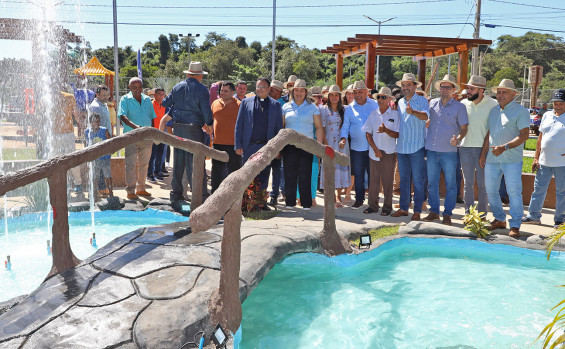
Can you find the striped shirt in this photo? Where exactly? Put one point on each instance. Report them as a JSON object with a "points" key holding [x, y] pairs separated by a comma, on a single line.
{"points": [[412, 130], [354, 118], [504, 125]]}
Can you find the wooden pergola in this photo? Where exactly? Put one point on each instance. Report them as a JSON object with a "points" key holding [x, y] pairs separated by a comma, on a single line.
{"points": [[419, 47]]}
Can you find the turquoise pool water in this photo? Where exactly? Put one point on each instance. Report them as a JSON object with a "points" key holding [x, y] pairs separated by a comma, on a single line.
{"points": [[408, 293], [26, 242]]}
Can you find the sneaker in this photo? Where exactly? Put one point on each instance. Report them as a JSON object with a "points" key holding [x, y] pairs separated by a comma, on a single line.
{"points": [[356, 205], [527, 220], [151, 179], [162, 174], [159, 177]]}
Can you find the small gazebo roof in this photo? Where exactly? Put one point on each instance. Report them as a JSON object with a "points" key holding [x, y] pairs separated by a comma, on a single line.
{"points": [[419, 47], [94, 67]]}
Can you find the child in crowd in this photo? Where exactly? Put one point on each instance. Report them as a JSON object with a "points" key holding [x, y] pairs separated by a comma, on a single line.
{"points": [[94, 134]]}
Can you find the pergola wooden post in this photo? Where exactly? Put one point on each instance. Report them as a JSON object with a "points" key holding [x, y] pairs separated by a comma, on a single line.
{"points": [[462, 69], [422, 71], [339, 70], [420, 48], [370, 61]]}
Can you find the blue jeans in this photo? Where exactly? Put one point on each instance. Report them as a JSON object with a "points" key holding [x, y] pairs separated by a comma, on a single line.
{"points": [[155, 164], [360, 167], [446, 162], [513, 180], [278, 178], [543, 176], [412, 164]]}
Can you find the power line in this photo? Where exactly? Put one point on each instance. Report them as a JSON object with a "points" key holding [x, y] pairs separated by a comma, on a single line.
{"points": [[538, 6], [467, 20], [537, 29], [244, 7]]}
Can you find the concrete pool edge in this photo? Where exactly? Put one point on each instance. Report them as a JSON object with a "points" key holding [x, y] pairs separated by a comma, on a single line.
{"points": [[124, 283]]}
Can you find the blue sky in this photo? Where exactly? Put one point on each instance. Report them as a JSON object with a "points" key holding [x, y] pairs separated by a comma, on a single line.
{"points": [[312, 24]]}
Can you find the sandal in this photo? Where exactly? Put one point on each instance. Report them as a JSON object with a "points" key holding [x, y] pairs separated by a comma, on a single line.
{"points": [[369, 210], [338, 204], [385, 212]]}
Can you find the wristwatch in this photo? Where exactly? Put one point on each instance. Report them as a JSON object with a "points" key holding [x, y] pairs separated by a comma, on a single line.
{"points": [[506, 146]]}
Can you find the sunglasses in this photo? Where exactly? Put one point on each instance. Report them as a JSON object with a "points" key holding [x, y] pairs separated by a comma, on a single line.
{"points": [[381, 97]]}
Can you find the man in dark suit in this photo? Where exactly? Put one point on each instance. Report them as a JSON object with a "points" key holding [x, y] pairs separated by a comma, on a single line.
{"points": [[259, 120]]}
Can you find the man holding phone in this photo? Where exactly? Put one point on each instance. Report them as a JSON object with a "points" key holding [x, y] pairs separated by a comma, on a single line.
{"points": [[549, 161]]}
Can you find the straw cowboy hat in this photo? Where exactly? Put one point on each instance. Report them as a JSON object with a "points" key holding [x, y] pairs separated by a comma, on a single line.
{"points": [[298, 83], [477, 81], [195, 68], [348, 89], [277, 84], [291, 79], [332, 89], [507, 84], [384, 91], [408, 77], [325, 89], [316, 91], [446, 78], [419, 89], [359, 85]]}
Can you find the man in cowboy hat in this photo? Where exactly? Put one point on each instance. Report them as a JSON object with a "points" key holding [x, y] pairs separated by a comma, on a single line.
{"points": [[410, 145], [275, 92], [448, 126], [508, 128], [316, 92], [381, 129], [478, 107], [549, 161], [288, 85], [136, 110], [354, 118], [259, 120], [191, 114]]}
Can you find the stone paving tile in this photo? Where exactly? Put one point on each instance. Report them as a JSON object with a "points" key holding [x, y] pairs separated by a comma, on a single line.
{"points": [[85, 327], [167, 283], [53, 298], [136, 259], [171, 323], [14, 343], [107, 289], [114, 245]]}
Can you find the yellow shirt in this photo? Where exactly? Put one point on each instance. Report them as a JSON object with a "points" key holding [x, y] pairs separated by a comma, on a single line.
{"points": [[477, 114]]}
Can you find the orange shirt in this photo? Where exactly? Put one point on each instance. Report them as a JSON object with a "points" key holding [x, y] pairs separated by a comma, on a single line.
{"points": [[63, 121], [225, 117], [159, 111]]}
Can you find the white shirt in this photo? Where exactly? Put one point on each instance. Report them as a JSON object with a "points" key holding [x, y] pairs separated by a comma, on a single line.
{"points": [[552, 128], [384, 142], [477, 114]]}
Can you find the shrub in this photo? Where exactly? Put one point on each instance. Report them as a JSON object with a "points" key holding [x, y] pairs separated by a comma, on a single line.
{"points": [[253, 197]]}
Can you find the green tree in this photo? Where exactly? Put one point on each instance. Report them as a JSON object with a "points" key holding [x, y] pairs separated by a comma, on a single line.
{"points": [[401, 65], [164, 49], [541, 49], [240, 41]]}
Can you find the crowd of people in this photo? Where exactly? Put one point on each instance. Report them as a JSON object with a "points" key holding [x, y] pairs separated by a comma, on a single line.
{"points": [[398, 141]]}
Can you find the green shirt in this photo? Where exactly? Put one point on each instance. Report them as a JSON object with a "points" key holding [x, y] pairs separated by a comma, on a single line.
{"points": [[140, 114], [504, 125]]}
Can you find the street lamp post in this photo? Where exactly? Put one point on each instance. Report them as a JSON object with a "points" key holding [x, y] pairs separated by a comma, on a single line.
{"points": [[379, 22], [188, 41]]}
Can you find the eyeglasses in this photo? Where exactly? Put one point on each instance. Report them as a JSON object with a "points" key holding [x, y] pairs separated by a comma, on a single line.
{"points": [[446, 87], [261, 87], [381, 97]]}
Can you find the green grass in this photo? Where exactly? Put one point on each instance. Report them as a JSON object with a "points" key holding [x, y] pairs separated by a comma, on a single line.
{"points": [[18, 154], [527, 164], [380, 233], [531, 144]]}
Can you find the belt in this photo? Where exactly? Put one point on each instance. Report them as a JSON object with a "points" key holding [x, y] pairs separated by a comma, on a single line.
{"points": [[186, 124], [258, 142]]}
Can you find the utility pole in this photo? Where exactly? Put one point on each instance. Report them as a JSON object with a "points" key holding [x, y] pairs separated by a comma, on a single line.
{"points": [[189, 37], [379, 22], [273, 42], [475, 62]]}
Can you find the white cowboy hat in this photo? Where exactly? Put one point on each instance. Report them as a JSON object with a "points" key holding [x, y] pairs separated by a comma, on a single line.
{"points": [[359, 85], [408, 77], [195, 68], [316, 91], [299, 83], [277, 84], [507, 84], [447, 78], [291, 79], [332, 89], [384, 91], [477, 81]]}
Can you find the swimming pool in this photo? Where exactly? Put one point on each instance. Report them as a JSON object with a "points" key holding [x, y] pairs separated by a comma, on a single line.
{"points": [[408, 293], [26, 242]]}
